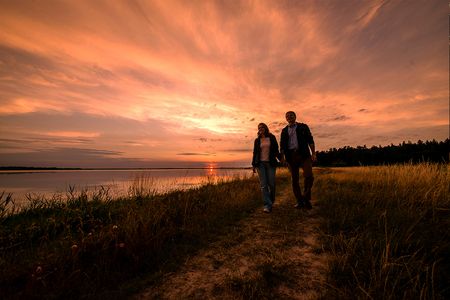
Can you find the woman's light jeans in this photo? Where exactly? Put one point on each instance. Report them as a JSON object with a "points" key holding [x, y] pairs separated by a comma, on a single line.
{"points": [[266, 174]]}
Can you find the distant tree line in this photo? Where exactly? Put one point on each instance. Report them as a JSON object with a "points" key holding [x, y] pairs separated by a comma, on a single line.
{"points": [[406, 152]]}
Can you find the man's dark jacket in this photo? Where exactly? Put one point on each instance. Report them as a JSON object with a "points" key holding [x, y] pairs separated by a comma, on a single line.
{"points": [[304, 139], [274, 153]]}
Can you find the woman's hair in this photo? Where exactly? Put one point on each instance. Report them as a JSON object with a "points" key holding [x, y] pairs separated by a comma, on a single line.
{"points": [[265, 128]]}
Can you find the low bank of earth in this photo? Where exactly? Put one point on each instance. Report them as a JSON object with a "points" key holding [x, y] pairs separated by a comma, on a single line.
{"points": [[264, 256]]}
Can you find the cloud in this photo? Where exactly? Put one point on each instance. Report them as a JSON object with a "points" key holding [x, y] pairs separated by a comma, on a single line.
{"points": [[193, 154], [247, 150], [339, 118], [146, 79], [204, 140], [91, 158], [61, 157], [370, 14]]}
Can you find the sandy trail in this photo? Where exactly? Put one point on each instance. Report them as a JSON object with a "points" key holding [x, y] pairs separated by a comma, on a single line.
{"points": [[264, 256]]}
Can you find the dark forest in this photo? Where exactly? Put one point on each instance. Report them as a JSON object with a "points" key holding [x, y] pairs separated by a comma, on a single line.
{"points": [[406, 152]]}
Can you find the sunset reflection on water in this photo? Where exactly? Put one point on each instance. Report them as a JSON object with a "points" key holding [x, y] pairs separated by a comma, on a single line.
{"points": [[211, 170]]}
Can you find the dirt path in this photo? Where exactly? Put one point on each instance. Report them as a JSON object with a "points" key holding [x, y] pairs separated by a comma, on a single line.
{"points": [[273, 255]]}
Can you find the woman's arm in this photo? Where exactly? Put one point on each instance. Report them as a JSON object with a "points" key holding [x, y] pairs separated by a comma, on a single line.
{"points": [[255, 153], [276, 148]]}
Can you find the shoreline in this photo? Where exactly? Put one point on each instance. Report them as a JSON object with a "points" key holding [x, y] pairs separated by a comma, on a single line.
{"points": [[50, 184], [32, 169]]}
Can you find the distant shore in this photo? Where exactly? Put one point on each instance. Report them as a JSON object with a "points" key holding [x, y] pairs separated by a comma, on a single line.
{"points": [[106, 169]]}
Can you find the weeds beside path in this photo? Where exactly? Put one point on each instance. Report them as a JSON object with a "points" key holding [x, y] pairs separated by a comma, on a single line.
{"points": [[263, 256]]}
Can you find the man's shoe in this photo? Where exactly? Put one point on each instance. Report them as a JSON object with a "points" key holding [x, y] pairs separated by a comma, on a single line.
{"points": [[266, 210], [308, 205]]}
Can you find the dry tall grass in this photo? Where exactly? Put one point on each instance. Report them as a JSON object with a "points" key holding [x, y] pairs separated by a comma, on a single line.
{"points": [[88, 245], [387, 229]]}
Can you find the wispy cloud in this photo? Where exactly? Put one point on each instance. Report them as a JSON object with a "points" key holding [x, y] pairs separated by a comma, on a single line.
{"points": [[155, 79], [195, 154]]}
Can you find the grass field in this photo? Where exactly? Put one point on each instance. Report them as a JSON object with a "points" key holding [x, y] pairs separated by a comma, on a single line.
{"points": [[385, 230], [89, 245]]}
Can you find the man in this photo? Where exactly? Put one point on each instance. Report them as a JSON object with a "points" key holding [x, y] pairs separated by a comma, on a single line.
{"points": [[297, 148]]}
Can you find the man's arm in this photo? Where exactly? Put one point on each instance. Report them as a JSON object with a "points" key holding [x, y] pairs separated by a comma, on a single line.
{"points": [[311, 143]]}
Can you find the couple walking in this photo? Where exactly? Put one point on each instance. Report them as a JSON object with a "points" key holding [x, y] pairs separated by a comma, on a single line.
{"points": [[296, 148]]}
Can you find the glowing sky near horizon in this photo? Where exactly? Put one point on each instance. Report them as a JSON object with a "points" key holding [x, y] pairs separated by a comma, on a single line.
{"points": [[166, 83]]}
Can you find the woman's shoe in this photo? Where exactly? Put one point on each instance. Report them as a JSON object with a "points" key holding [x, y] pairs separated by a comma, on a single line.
{"points": [[299, 205]]}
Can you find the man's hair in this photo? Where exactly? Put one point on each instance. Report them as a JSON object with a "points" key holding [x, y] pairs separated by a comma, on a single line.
{"points": [[291, 112]]}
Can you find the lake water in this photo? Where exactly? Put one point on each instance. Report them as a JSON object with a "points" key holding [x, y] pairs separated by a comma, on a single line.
{"points": [[119, 182]]}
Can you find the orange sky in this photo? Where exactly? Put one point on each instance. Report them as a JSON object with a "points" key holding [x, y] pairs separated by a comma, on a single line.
{"points": [[159, 83]]}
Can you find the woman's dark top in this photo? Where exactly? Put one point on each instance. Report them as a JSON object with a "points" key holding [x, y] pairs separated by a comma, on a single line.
{"points": [[274, 153]]}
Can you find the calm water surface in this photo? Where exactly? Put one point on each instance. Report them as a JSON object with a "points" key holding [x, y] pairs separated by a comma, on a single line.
{"points": [[48, 183]]}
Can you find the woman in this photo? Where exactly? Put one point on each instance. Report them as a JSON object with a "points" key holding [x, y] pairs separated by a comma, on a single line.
{"points": [[265, 154]]}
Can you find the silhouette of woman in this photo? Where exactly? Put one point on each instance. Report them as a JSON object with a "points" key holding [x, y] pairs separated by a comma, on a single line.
{"points": [[265, 155]]}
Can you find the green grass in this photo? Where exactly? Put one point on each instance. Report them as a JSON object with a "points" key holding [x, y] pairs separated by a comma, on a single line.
{"points": [[87, 246], [387, 230]]}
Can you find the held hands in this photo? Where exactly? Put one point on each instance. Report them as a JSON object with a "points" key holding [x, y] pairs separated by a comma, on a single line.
{"points": [[284, 162]]}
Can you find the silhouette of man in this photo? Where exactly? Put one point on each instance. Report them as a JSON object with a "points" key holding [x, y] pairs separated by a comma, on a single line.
{"points": [[298, 150]]}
